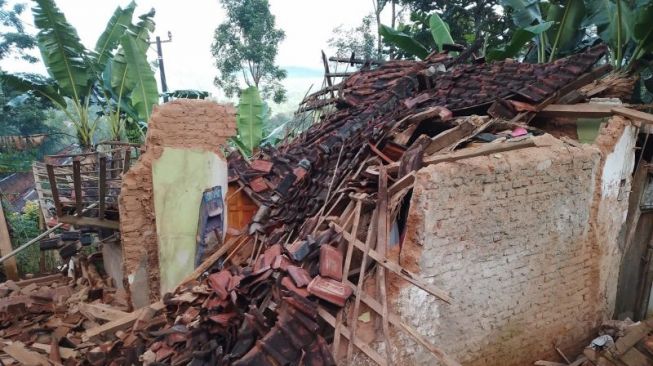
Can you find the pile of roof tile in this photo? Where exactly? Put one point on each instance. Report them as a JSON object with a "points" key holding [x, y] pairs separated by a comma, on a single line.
{"points": [[263, 311], [267, 306], [42, 319]]}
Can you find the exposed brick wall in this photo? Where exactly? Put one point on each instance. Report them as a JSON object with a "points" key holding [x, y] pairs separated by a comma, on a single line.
{"points": [[192, 124], [508, 236]]}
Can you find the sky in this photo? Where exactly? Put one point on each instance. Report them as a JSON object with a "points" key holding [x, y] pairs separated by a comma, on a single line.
{"points": [[187, 59]]}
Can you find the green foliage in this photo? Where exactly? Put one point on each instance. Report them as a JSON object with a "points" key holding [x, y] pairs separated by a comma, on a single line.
{"points": [[23, 227], [567, 31], [250, 121], [246, 45], [77, 73], [360, 40], [62, 51], [140, 78], [466, 20], [519, 39], [439, 31], [403, 41], [14, 40]]}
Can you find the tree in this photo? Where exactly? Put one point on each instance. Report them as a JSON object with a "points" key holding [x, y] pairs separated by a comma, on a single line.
{"points": [[467, 20], [77, 73], [360, 40], [14, 40], [245, 47]]}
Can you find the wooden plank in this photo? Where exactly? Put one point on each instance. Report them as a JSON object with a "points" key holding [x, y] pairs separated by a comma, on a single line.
{"points": [[66, 353], [581, 110], [41, 281], [119, 324], [11, 269], [353, 320], [102, 187], [127, 160], [449, 137], [382, 247], [643, 117], [395, 268], [548, 363], [406, 181], [209, 261], [54, 189], [326, 73], [77, 183], [24, 356], [100, 311], [486, 149], [89, 221], [345, 273], [365, 348], [396, 321]]}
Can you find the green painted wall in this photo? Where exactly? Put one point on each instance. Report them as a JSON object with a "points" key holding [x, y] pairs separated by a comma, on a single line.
{"points": [[179, 178]]}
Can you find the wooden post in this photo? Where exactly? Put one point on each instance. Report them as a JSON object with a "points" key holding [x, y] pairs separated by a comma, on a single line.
{"points": [[53, 188], [326, 73], [382, 247], [77, 184], [127, 161], [102, 188], [11, 270]]}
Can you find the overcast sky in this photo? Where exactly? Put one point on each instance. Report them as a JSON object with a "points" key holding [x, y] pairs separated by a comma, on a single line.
{"points": [[187, 59]]}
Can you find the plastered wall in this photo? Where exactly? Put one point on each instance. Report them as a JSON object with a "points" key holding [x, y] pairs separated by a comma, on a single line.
{"points": [[525, 241], [194, 125]]}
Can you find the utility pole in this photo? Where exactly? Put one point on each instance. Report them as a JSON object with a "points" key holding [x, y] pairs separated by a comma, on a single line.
{"points": [[162, 71]]}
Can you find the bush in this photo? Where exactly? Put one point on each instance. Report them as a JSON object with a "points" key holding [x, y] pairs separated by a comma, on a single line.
{"points": [[23, 227]]}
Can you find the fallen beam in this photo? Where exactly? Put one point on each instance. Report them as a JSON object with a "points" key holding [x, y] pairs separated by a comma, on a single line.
{"points": [[584, 110], [394, 267], [364, 347], [121, 323], [481, 151], [640, 116]]}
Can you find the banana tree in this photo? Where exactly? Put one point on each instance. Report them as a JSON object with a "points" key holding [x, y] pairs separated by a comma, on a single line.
{"points": [[128, 80], [75, 71], [413, 42], [252, 113]]}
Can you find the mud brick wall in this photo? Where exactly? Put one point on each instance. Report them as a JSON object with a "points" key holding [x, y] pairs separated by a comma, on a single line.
{"points": [[508, 235], [193, 124]]}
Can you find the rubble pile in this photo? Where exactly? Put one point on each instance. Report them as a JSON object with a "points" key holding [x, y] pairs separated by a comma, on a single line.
{"points": [[43, 319], [618, 342], [327, 199]]}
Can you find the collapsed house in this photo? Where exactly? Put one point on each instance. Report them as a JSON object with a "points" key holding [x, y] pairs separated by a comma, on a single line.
{"points": [[443, 213]]}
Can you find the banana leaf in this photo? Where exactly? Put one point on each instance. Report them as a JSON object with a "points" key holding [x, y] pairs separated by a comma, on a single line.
{"points": [[567, 31], [403, 41], [519, 39], [439, 31], [604, 15], [251, 112], [40, 86], [63, 54], [113, 32], [525, 12], [643, 29], [140, 78]]}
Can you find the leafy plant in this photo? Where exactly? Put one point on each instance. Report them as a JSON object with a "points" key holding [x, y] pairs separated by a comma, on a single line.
{"points": [[76, 72], [412, 43], [250, 120], [23, 227]]}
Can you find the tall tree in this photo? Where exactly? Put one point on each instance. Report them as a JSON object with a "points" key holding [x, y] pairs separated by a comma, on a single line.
{"points": [[13, 39], [245, 47]]}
